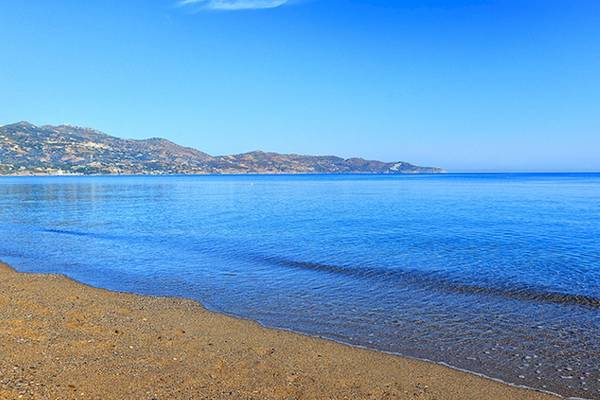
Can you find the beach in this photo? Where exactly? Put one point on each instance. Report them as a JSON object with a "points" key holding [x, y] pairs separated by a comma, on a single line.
{"points": [[60, 339]]}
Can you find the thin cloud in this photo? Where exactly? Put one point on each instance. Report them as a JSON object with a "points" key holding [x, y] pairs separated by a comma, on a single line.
{"points": [[233, 5]]}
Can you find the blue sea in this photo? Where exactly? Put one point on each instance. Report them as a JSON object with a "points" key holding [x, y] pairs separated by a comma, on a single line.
{"points": [[498, 274]]}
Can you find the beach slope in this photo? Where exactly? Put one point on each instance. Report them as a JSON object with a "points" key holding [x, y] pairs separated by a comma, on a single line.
{"points": [[63, 340]]}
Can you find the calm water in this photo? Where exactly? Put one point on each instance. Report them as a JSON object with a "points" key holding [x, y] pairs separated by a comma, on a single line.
{"points": [[497, 274]]}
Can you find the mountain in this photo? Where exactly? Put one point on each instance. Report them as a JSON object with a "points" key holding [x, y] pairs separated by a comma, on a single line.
{"points": [[26, 149]]}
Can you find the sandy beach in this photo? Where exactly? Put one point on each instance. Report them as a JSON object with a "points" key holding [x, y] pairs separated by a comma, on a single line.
{"points": [[63, 340]]}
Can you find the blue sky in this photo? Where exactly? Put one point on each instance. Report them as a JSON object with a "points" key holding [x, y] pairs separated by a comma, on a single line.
{"points": [[469, 85]]}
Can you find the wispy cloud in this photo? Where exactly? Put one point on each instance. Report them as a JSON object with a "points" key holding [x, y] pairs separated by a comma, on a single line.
{"points": [[232, 5]]}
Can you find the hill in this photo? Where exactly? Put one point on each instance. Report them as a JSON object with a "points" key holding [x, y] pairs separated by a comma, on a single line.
{"points": [[26, 149]]}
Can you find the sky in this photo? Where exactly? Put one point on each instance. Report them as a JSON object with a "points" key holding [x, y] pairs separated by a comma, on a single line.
{"points": [[467, 85]]}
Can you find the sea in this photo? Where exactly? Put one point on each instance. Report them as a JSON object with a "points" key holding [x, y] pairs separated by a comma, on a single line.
{"points": [[496, 274]]}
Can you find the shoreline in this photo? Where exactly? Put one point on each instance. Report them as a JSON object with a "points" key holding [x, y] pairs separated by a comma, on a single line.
{"points": [[270, 173], [62, 338]]}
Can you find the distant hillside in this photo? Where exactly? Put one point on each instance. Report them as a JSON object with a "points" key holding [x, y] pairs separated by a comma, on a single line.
{"points": [[26, 149]]}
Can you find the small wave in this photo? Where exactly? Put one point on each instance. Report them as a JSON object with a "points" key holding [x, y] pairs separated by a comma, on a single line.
{"points": [[68, 232], [78, 233], [437, 281]]}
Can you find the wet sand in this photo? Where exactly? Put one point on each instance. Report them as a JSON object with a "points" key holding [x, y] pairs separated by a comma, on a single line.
{"points": [[63, 340]]}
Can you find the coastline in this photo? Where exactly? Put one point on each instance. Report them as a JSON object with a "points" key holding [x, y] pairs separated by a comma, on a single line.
{"points": [[253, 173], [63, 339]]}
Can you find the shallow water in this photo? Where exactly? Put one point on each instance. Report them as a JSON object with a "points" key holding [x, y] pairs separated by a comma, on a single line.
{"points": [[494, 273]]}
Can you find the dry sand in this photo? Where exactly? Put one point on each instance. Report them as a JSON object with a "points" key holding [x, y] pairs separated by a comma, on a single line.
{"points": [[63, 340]]}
